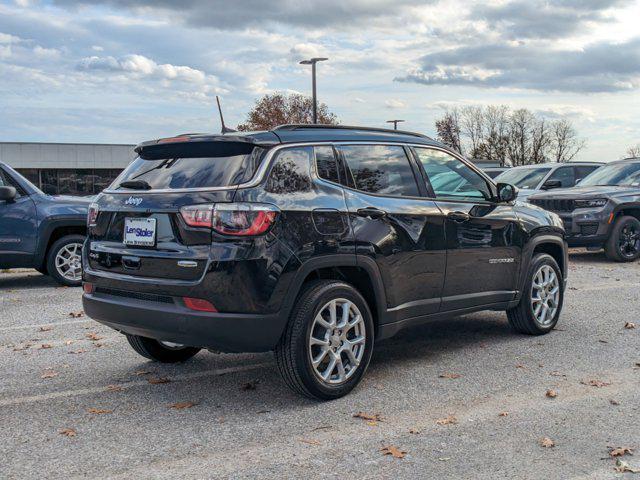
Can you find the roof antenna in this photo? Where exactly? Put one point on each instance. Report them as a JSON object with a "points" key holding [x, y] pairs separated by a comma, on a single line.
{"points": [[225, 129]]}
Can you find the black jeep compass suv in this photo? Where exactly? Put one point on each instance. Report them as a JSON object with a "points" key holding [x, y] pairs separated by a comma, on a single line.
{"points": [[313, 241]]}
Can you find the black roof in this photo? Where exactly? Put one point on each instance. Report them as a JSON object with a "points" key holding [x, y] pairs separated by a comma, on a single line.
{"points": [[286, 134]]}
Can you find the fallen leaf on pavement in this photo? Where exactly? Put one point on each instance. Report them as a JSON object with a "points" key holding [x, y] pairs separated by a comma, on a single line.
{"points": [[614, 402], [68, 342], [24, 347], [76, 314], [310, 442], [44, 346], [557, 374], [98, 411], [414, 431], [623, 467], [520, 366], [142, 372], [448, 420], [81, 350], [45, 329], [49, 374], [250, 385], [629, 325], [503, 414], [395, 452], [546, 442], [93, 336], [620, 451], [68, 432], [595, 383], [182, 405], [369, 417], [159, 380], [449, 375], [114, 388], [551, 393]]}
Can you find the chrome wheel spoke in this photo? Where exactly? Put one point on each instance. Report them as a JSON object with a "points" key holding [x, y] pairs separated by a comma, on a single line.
{"points": [[545, 295]]}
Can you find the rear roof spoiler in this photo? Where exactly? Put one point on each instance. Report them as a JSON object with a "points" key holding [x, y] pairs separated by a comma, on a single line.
{"points": [[199, 145]]}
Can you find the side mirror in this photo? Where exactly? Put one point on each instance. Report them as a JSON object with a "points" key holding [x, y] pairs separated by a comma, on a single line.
{"points": [[551, 184], [7, 193], [507, 192]]}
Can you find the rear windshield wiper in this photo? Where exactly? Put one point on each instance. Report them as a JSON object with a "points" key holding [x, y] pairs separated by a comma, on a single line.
{"points": [[135, 185]]}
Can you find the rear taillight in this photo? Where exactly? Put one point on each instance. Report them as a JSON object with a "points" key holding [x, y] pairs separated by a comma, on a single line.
{"points": [[237, 219], [92, 215], [88, 287]]}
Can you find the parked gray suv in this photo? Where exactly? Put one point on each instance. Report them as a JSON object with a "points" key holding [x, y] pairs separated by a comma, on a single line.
{"points": [[603, 211]]}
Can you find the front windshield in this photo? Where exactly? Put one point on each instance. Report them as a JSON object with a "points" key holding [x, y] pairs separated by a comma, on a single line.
{"points": [[523, 177], [615, 174]]}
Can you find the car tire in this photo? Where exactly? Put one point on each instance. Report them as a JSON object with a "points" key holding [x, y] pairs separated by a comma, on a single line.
{"points": [[159, 352], [623, 245], [68, 247], [296, 352], [539, 307]]}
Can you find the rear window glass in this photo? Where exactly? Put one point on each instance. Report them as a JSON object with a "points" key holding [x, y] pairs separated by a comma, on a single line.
{"points": [[192, 172]]}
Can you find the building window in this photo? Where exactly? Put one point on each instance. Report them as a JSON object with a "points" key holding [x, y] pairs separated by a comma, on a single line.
{"points": [[66, 181]]}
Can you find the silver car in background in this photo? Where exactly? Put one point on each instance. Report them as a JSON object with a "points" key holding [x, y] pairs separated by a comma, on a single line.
{"points": [[532, 179]]}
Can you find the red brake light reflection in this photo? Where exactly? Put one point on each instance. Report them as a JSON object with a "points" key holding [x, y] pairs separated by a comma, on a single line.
{"points": [[199, 304]]}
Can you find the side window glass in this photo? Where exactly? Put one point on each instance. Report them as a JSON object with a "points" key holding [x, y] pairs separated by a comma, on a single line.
{"points": [[327, 164], [565, 175], [451, 178], [2, 182], [380, 169], [290, 171], [582, 172]]}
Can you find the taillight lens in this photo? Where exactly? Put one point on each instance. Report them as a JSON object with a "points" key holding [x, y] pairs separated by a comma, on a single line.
{"points": [[199, 304], [237, 219], [197, 215], [92, 215]]}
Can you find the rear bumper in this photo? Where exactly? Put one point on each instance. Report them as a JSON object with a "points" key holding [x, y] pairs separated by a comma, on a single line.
{"points": [[587, 241], [226, 332]]}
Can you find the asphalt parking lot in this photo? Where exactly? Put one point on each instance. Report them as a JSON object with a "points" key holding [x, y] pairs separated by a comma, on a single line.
{"points": [[464, 398]]}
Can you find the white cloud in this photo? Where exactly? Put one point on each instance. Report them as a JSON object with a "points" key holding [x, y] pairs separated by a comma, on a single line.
{"points": [[394, 103]]}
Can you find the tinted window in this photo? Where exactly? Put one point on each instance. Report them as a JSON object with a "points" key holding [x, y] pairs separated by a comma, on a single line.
{"points": [[450, 177], [615, 174], [565, 175], [193, 172], [290, 171], [582, 171], [526, 177], [327, 164], [380, 169]]}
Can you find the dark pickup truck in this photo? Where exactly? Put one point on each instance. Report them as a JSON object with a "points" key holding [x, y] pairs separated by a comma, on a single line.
{"points": [[41, 231]]}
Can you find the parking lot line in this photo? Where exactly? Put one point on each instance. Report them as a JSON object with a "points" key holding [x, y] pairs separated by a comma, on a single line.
{"points": [[125, 385]]}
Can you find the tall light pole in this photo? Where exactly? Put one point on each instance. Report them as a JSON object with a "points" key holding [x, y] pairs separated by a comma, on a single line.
{"points": [[312, 62], [395, 123]]}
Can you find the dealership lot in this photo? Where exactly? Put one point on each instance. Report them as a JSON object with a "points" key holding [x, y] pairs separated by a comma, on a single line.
{"points": [[464, 398]]}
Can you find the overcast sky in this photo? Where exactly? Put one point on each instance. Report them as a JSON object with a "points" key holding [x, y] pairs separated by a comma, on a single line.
{"points": [[124, 71]]}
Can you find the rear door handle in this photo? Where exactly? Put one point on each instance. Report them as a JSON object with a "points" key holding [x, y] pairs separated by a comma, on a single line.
{"points": [[458, 216], [371, 212]]}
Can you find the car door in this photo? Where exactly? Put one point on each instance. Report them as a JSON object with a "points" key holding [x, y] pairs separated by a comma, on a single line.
{"points": [[483, 237], [396, 226], [17, 227]]}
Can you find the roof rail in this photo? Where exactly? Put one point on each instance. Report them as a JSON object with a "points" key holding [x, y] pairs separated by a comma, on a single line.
{"points": [[294, 126]]}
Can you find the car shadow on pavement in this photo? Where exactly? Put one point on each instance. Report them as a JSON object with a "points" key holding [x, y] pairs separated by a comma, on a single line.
{"points": [[25, 281], [585, 256]]}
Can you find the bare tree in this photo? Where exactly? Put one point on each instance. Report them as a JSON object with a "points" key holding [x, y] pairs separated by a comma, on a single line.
{"points": [[281, 108], [565, 144], [448, 128], [471, 121], [496, 139], [633, 152]]}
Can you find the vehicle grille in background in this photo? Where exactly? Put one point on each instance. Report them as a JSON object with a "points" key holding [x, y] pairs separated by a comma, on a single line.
{"points": [[149, 297], [554, 205], [588, 228]]}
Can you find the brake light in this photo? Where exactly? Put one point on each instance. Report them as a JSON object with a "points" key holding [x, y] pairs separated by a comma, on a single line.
{"points": [[88, 287], [197, 215], [199, 304], [183, 138], [92, 215], [237, 219]]}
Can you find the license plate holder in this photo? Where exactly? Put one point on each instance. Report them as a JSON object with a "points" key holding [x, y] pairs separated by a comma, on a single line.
{"points": [[139, 232]]}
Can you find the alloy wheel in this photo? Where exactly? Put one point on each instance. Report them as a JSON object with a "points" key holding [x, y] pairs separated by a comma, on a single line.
{"points": [[337, 341], [68, 261], [545, 295], [629, 241]]}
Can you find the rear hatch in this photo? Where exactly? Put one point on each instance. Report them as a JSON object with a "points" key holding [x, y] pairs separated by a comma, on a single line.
{"points": [[136, 228]]}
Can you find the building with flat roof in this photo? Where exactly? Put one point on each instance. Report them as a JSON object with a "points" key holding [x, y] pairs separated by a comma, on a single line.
{"points": [[67, 168]]}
